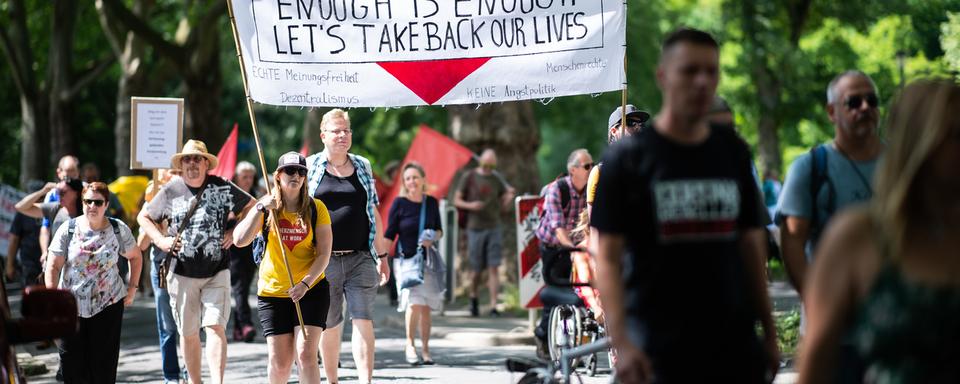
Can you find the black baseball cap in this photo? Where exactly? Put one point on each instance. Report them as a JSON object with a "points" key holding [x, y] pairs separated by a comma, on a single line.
{"points": [[292, 159], [631, 112]]}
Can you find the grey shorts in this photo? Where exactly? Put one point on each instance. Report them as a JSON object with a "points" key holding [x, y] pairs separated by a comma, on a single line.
{"points": [[353, 278], [484, 247]]}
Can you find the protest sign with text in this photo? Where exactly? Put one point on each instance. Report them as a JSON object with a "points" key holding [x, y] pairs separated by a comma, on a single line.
{"points": [[156, 131], [382, 53]]}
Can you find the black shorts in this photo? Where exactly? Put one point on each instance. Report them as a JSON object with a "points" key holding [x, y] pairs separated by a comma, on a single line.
{"points": [[278, 315]]}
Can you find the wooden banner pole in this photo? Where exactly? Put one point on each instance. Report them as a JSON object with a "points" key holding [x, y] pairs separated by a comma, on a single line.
{"points": [[274, 224]]}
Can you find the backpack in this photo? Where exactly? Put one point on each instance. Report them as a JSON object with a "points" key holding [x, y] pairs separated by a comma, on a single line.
{"points": [[564, 195], [260, 242], [819, 177], [72, 227]]}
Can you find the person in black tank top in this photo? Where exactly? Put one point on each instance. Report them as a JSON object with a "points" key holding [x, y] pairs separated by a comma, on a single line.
{"points": [[347, 201], [344, 182]]}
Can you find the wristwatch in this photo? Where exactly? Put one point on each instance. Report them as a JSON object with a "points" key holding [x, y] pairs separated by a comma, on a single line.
{"points": [[261, 208]]}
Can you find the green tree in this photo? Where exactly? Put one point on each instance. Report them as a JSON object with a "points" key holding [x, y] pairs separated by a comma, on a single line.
{"points": [[950, 40], [49, 85]]}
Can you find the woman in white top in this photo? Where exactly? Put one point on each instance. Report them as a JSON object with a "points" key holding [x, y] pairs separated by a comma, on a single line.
{"points": [[83, 259]]}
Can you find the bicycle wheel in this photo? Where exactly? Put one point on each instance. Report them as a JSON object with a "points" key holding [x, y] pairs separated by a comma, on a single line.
{"points": [[566, 329], [555, 334]]}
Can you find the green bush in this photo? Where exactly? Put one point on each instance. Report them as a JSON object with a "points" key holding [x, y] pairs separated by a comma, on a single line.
{"points": [[776, 270], [788, 332]]}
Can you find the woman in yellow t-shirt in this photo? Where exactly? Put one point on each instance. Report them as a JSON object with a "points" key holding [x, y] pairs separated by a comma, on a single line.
{"points": [[308, 248]]}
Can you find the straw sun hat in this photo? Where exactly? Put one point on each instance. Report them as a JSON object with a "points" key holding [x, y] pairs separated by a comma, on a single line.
{"points": [[193, 147]]}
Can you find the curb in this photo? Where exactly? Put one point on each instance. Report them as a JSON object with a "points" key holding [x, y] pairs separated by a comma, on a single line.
{"points": [[483, 339]]}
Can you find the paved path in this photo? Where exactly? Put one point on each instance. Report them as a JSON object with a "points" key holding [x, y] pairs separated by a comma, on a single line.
{"points": [[467, 350]]}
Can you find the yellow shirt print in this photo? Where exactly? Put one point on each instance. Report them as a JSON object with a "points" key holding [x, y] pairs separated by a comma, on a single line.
{"points": [[301, 253]]}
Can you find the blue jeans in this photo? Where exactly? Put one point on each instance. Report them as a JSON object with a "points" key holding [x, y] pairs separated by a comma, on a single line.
{"points": [[167, 328]]}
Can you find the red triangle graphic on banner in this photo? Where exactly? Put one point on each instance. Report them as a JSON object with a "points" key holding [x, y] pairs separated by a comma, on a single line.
{"points": [[431, 80]]}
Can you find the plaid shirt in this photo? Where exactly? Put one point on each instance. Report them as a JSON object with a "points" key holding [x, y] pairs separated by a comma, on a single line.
{"points": [[555, 216], [317, 167]]}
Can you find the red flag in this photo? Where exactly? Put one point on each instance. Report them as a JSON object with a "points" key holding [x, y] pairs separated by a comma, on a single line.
{"points": [[305, 149], [227, 157], [440, 157]]}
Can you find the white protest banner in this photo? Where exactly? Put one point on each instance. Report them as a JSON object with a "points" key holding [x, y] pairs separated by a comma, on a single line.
{"points": [[9, 196], [385, 53], [156, 131]]}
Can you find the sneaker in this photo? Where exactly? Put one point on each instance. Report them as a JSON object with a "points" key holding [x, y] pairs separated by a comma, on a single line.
{"points": [[248, 333], [474, 307], [494, 313]]}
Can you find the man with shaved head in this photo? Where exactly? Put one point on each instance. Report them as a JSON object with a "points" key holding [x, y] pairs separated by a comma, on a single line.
{"points": [[484, 196], [676, 211]]}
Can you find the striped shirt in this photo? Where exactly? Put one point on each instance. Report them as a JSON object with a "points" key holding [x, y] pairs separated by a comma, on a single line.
{"points": [[317, 168]]}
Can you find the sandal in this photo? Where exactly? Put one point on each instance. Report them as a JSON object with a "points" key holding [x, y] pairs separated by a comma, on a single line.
{"points": [[411, 355]]}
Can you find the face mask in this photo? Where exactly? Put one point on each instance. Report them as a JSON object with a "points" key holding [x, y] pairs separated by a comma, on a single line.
{"points": [[488, 167]]}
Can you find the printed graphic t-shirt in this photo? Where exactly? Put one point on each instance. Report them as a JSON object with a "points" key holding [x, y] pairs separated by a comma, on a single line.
{"points": [[681, 209], [201, 254], [301, 253], [90, 268]]}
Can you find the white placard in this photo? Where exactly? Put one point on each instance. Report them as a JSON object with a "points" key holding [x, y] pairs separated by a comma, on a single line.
{"points": [[372, 53], [156, 131]]}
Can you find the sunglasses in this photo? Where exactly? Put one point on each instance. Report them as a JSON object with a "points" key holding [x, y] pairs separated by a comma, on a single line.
{"points": [[856, 101], [94, 202], [290, 171], [587, 166], [191, 159]]}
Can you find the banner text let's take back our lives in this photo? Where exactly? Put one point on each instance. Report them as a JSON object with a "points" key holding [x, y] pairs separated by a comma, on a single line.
{"points": [[353, 53]]}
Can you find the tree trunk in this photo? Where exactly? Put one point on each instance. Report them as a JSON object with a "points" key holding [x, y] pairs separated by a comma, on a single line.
{"points": [[202, 118], [133, 82], [767, 88], [34, 150], [34, 128], [60, 73], [768, 142], [204, 82], [511, 130]]}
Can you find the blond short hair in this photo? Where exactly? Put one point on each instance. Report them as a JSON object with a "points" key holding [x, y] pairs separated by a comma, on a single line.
{"points": [[335, 113]]}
